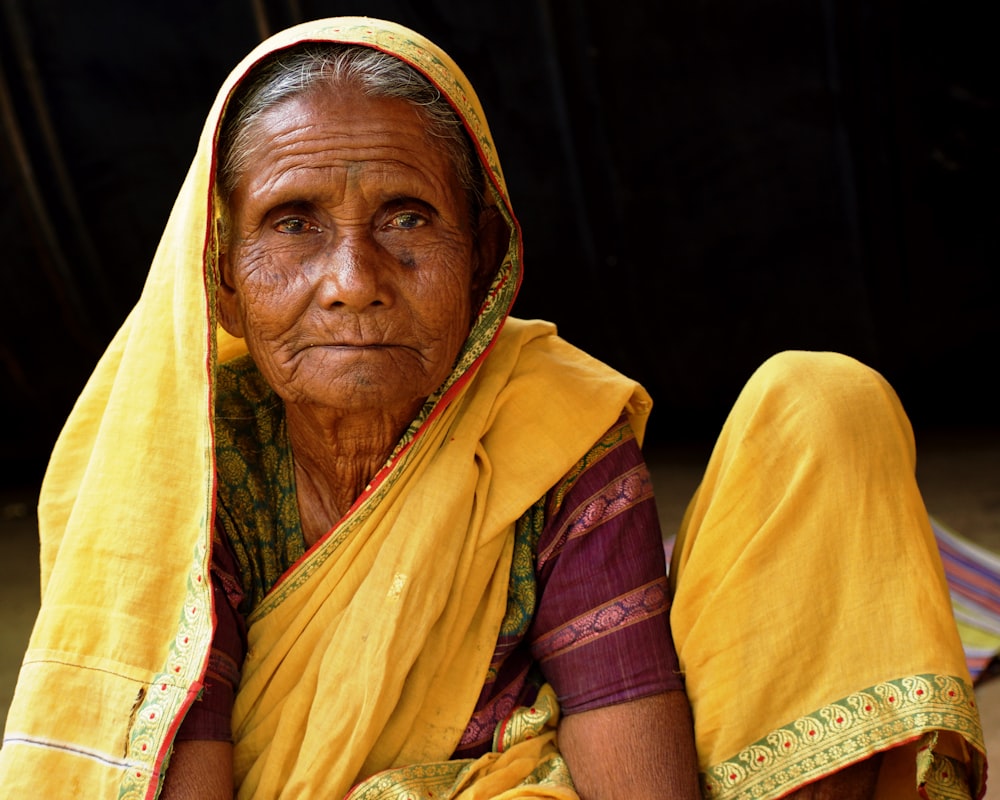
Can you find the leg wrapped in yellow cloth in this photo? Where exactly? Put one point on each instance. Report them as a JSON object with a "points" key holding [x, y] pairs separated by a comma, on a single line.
{"points": [[811, 613]]}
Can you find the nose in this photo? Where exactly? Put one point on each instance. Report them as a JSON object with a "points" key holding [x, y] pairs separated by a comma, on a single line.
{"points": [[352, 275]]}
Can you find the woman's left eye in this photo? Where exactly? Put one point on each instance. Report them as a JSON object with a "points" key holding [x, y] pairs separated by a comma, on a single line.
{"points": [[292, 225], [407, 220]]}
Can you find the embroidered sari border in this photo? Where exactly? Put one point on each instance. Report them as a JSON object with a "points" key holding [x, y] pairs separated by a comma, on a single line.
{"points": [[414, 782], [160, 707], [548, 778], [844, 732]]}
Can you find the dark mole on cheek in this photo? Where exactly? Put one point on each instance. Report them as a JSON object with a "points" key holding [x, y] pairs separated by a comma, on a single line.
{"points": [[407, 260]]}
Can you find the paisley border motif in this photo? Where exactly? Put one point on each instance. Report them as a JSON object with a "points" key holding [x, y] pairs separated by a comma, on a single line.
{"points": [[412, 783], [849, 730]]}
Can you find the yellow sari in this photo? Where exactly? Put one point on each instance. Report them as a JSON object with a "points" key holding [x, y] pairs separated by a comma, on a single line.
{"points": [[368, 658]]}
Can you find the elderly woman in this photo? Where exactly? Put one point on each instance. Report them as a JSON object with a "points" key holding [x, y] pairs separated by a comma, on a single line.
{"points": [[328, 521]]}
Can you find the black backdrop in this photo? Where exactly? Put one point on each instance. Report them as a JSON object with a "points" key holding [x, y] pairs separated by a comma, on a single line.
{"points": [[700, 184]]}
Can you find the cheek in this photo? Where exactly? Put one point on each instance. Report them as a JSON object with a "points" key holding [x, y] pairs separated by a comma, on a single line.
{"points": [[267, 290], [443, 299]]}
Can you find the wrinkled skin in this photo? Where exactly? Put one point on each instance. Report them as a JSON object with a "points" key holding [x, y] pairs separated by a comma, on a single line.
{"points": [[350, 263], [350, 269]]}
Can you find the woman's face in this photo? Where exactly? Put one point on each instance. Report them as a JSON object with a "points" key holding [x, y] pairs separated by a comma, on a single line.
{"points": [[350, 256]]}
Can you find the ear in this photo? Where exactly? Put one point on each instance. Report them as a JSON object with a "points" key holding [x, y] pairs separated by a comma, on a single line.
{"points": [[227, 304], [492, 238]]}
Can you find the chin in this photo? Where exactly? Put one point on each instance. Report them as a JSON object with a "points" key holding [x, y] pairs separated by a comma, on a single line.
{"points": [[360, 398]]}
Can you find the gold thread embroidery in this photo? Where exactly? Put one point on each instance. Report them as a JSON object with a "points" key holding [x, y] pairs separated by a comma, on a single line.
{"points": [[528, 722], [848, 731], [946, 779], [444, 779]]}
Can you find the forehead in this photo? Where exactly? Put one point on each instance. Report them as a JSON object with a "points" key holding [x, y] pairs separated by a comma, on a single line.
{"points": [[340, 128]]}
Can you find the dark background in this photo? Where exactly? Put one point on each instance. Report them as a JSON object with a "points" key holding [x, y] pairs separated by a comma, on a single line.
{"points": [[701, 184]]}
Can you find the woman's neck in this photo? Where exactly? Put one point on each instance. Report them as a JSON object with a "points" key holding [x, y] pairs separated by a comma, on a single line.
{"points": [[335, 459]]}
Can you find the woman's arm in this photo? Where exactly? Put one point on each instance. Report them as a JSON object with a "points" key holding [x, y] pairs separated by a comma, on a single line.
{"points": [[200, 770], [636, 750]]}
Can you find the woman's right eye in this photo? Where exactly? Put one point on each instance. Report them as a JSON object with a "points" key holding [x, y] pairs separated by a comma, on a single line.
{"points": [[293, 225]]}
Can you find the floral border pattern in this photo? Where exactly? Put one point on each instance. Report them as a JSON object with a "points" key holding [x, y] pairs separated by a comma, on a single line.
{"points": [[159, 707], [839, 734]]}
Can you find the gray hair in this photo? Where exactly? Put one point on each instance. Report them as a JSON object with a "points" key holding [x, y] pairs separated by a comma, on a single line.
{"points": [[298, 69]]}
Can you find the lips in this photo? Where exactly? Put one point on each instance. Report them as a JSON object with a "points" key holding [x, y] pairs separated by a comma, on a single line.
{"points": [[355, 345]]}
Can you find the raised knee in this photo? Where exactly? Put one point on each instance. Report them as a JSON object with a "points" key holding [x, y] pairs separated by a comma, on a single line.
{"points": [[825, 390], [798, 364], [823, 374]]}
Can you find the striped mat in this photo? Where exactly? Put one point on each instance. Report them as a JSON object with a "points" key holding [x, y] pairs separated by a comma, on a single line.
{"points": [[974, 582]]}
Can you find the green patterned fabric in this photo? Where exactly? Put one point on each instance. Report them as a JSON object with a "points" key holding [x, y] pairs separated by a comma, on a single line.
{"points": [[257, 505]]}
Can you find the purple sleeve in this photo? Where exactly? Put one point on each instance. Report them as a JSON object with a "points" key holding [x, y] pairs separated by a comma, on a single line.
{"points": [[601, 633], [209, 717]]}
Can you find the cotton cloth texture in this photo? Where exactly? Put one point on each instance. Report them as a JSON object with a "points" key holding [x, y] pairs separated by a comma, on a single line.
{"points": [[798, 665], [122, 640]]}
